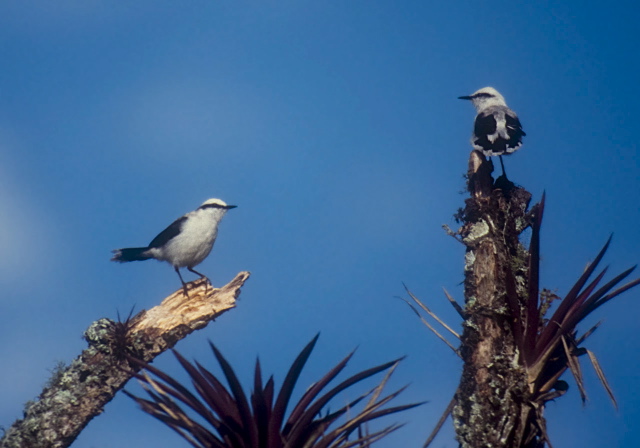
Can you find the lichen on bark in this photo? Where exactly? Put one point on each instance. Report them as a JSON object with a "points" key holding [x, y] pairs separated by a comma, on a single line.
{"points": [[493, 389], [79, 393]]}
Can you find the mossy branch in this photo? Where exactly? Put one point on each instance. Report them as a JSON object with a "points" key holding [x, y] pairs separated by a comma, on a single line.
{"points": [[78, 393], [493, 388]]}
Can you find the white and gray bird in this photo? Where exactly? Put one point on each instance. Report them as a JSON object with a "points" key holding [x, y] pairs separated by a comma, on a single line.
{"points": [[497, 129], [185, 243]]}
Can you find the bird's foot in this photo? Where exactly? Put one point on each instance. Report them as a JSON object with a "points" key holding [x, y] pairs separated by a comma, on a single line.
{"points": [[195, 284], [503, 183], [207, 283]]}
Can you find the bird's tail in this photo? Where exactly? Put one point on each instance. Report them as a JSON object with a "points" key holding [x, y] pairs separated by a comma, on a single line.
{"points": [[130, 254]]}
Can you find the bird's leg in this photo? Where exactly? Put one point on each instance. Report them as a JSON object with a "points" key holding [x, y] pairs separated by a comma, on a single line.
{"points": [[196, 272], [504, 173], [201, 275], [184, 285]]}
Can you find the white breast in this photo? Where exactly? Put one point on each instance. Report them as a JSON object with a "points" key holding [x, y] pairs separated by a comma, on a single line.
{"points": [[195, 241]]}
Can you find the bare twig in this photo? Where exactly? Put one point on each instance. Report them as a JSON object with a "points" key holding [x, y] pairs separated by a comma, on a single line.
{"points": [[601, 377], [430, 313], [455, 304], [430, 327]]}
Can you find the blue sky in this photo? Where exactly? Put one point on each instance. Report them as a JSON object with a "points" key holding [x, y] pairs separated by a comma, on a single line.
{"points": [[335, 128]]}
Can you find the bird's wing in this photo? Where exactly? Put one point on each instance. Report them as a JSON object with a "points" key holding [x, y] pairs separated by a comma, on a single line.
{"points": [[168, 233], [484, 132], [514, 128], [485, 124]]}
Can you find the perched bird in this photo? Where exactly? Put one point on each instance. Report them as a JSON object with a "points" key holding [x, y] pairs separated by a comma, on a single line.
{"points": [[497, 129], [185, 243]]}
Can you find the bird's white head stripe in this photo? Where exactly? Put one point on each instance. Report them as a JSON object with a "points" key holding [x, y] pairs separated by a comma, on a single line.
{"points": [[215, 203]]}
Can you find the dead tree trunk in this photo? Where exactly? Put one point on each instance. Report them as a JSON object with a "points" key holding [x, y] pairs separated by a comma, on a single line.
{"points": [[79, 392], [492, 400]]}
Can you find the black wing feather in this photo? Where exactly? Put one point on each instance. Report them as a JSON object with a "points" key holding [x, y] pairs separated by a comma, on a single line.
{"points": [[167, 234], [484, 126], [514, 127]]}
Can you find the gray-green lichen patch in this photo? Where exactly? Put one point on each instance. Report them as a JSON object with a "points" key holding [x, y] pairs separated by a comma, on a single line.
{"points": [[99, 331], [478, 230], [469, 260], [57, 371], [521, 224]]}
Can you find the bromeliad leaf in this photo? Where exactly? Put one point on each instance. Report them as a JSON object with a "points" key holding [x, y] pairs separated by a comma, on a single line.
{"points": [[231, 419]]}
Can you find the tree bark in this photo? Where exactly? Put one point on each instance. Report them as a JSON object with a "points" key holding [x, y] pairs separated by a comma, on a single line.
{"points": [[492, 400], [78, 393]]}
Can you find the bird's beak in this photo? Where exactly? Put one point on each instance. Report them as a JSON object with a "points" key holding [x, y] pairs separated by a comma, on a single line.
{"points": [[464, 97], [229, 207]]}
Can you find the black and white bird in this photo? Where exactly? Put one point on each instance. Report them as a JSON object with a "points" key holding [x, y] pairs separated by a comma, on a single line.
{"points": [[497, 129], [185, 243]]}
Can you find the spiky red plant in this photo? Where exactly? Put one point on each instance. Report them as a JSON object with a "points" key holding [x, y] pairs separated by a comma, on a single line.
{"points": [[228, 418], [549, 347]]}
